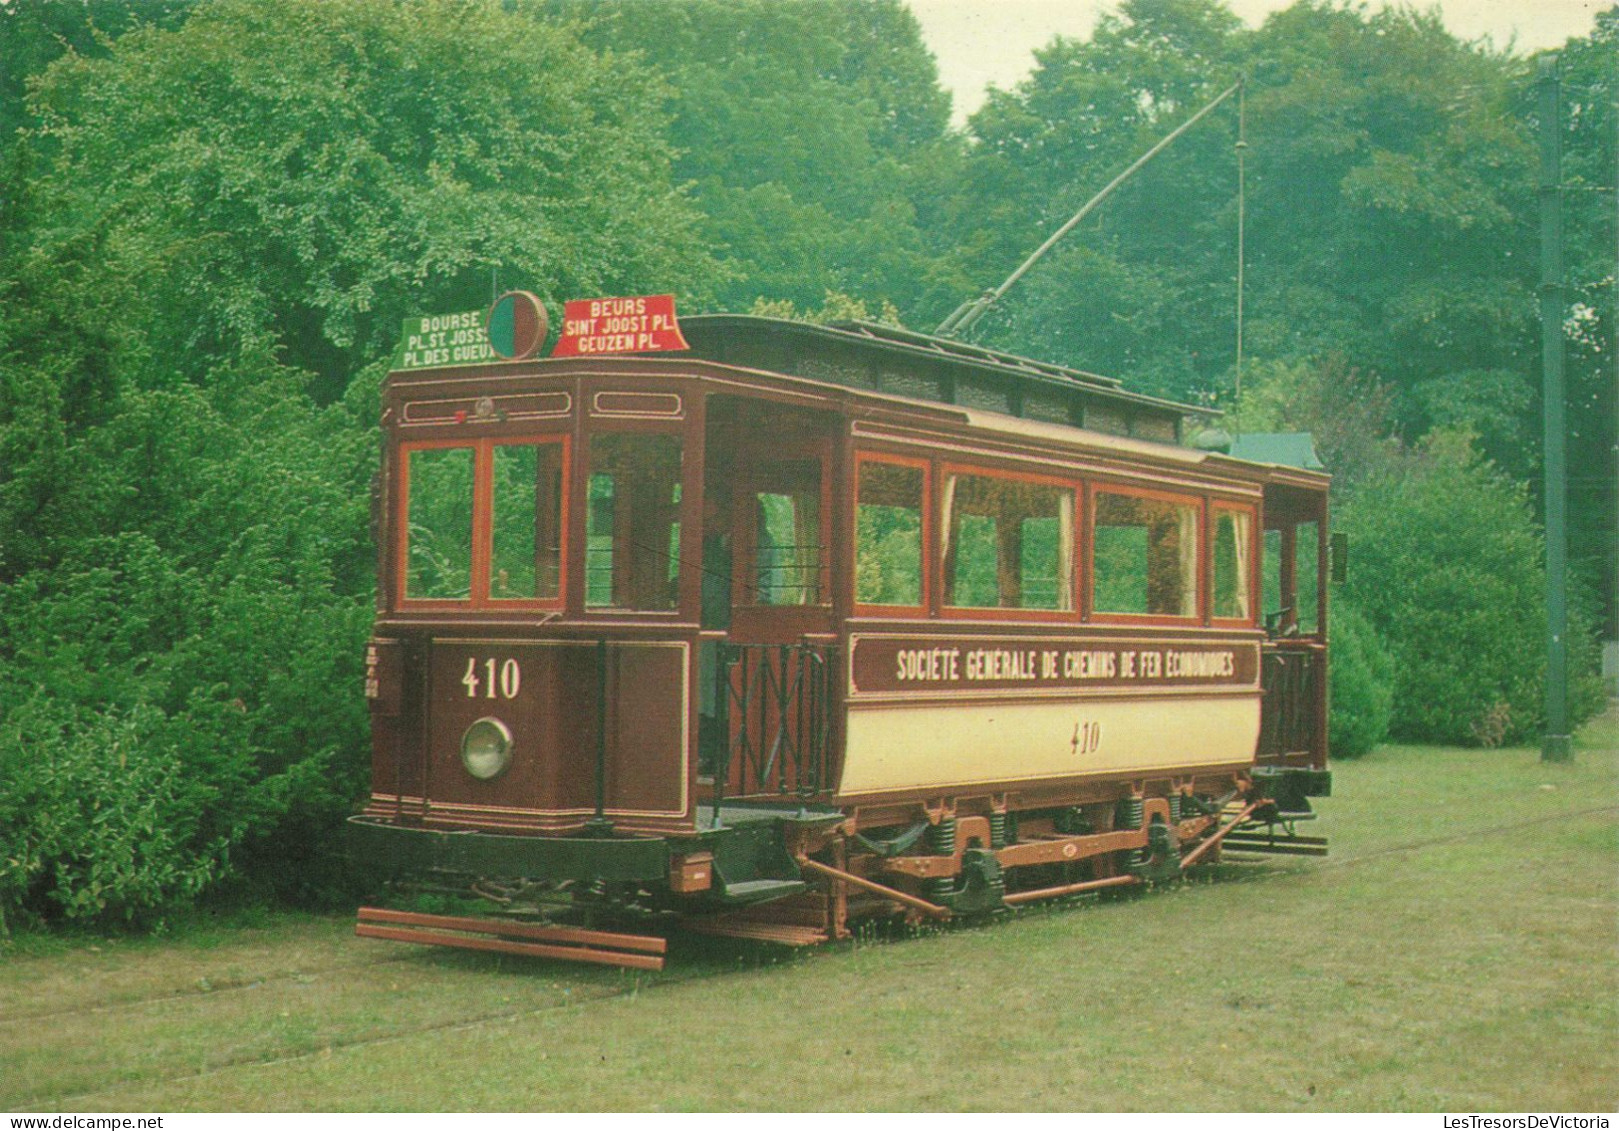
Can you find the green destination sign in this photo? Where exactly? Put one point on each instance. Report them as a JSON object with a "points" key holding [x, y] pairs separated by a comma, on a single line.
{"points": [[434, 340]]}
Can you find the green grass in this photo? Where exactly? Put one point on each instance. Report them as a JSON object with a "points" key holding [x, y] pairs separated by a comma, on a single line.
{"points": [[1458, 951]]}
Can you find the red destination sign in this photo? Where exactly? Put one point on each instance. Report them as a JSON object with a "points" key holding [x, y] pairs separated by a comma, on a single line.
{"points": [[619, 325]]}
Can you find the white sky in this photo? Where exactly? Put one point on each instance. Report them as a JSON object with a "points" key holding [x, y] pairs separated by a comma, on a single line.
{"points": [[979, 42]]}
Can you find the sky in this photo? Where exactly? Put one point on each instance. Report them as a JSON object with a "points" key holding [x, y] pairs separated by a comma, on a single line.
{"points": [[979, 42]]}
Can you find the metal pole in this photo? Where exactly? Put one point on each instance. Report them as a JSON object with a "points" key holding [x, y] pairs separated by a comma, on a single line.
{"points": [[965, 316], [1556, 746], [599, 825], [1242, 213]]}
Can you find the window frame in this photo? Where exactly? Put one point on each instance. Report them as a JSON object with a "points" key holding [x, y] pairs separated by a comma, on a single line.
{"points": [[1197, 503], [1255, 548], [940, 548], [927, 548], [745, 535], [685, 517], [483, 455]]}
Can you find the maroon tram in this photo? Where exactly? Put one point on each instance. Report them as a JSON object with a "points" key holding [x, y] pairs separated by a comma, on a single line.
{"points": [[808, 624]]}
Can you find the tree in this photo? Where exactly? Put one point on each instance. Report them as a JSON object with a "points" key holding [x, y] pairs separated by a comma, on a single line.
{"points": [[1590, 85], [814, 136], [214, 232], [1387, 178], [1448, 567], [298, 203]]}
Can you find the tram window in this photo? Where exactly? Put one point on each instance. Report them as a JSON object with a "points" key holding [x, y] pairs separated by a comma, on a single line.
{"points": [[1144, 556], [632, 521], [1010, 544], [1231, 564], [1306, 555], [787, 535], [525, 560], [438, 524], [888, 535], [1271, 577]]}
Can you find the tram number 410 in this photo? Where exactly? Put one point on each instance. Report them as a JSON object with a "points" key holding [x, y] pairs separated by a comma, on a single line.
{"points": [[501, 680], [1087, 737]]}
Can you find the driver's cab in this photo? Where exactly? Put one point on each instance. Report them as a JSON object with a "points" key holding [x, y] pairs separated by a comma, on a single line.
{"points": [[1294, 665]]}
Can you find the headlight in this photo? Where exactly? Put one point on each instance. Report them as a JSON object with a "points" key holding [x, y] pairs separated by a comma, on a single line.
{"points": [[486, 749]]}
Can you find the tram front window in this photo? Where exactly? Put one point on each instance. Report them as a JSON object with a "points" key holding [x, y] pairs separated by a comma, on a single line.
{"points": [[632, 521], [438, 522], [526, 520]]}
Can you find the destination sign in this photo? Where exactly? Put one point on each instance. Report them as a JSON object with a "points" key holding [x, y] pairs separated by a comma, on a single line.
{"points": [[932, 664], [435, 340], [643, 324]]}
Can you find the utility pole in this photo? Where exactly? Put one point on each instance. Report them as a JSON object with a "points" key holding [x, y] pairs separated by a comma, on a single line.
{"points": [[1557, 746]]}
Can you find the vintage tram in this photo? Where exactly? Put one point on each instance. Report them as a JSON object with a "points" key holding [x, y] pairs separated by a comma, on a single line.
{"points": [[805, 624]]}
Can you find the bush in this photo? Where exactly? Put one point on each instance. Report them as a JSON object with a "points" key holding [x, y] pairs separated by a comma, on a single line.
{"points": [[1362, 682], [98, 818], [1447, 565]]}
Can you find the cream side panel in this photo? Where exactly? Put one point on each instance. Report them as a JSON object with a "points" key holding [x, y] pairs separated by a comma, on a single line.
{"points": [[907, 748]]}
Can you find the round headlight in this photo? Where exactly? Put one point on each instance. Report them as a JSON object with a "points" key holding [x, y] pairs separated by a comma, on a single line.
{"points": [[486, 749]]}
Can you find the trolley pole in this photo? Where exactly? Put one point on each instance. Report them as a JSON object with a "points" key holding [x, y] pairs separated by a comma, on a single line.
{"points": [[1557, 746]]}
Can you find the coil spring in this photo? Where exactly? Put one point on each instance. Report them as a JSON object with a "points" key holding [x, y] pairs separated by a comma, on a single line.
{"points": [[941, 842], [997, 830], [1128, 814]]}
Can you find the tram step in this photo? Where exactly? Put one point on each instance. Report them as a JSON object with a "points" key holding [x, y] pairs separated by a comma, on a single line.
{"points": [[534, 940], [756, 891], [1278, 846], [736, 928]]}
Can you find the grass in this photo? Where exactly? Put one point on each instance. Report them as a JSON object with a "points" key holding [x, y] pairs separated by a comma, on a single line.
{"points": [[1457, 952]]}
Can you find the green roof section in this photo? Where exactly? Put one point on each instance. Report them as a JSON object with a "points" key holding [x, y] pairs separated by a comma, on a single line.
{"points": [[1285, 449]]}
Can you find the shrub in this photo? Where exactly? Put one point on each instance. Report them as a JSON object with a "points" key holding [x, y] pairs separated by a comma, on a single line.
{"points": [[1448, 567], [98, 819], [1362, 681]]}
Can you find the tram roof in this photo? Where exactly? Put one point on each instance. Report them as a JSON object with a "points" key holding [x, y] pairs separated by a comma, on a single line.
{"points": [[887, 359]]}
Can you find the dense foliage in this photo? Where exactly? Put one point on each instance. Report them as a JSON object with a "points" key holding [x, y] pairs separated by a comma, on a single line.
{"points": [[1448, 567], [214, 214], [1362, 684], [215, 232]]}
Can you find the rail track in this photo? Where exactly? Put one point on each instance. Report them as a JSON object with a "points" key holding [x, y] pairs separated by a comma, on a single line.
{"points": [[584, 989]]}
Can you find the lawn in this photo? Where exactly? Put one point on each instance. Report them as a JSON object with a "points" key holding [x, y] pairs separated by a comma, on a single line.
{"points": [[1458, 951]]}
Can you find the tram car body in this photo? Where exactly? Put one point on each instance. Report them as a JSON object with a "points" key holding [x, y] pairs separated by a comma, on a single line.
{"points": [[809, 623]]}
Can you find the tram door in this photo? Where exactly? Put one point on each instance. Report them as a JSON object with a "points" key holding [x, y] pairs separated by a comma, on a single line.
{"points": [[767, 563], [1293, 725]]}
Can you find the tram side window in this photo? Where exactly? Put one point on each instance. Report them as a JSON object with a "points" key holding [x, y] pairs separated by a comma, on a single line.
{"points": [[438, 524], [888, 535], [1009, 544], [632, 521], [1306, 556], [526, 520], [787, 535], [1271, 577], [1232, 564], [1144, 556]]}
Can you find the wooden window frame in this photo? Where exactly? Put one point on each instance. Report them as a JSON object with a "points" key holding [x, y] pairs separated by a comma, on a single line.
{"points": [[483, 455], [745, 547], [1199, 540], [927, 548], [1255, 548], [1070, 615]]}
